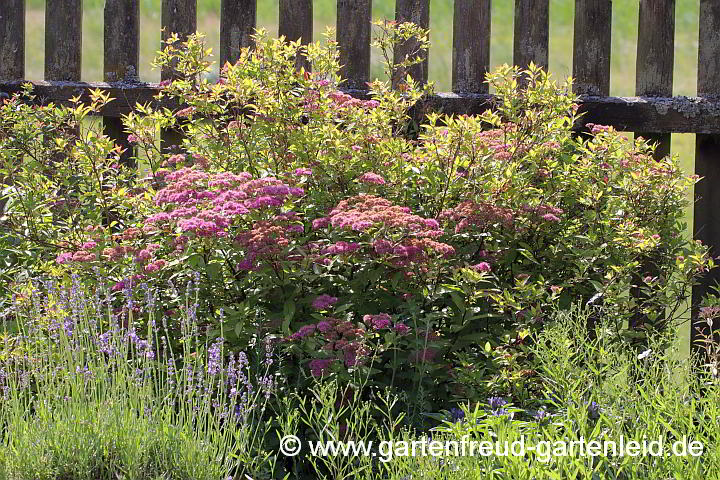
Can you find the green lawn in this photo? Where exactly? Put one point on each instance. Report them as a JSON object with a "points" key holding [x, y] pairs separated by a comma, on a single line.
{"points": [[625, 15]]}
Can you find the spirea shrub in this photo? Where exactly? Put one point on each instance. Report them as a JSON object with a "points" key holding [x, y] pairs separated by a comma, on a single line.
{"points": [[363, 246]]}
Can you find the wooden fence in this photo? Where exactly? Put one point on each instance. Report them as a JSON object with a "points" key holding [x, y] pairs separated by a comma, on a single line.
{"points": [[653, 113]]}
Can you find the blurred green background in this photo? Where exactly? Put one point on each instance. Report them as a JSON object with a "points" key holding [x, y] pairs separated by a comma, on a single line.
{"points": [[624, 38]]}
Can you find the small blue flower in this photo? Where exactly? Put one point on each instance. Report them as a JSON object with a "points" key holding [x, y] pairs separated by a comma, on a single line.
{"points": [[541, 414], [501, 412], [593, 411], [496, 402], [456, 415]]}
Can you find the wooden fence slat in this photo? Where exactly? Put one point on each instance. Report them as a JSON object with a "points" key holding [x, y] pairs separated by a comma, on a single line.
{"points": [[532, 33], [591, 47], [655, 58], [471, 46], [12, 51], [63, 46], [121, 59], [706, 225], [238, 19], [63, 39], [12, 40], [353, 36], [418, 12], [654, 77], [180, 17], [296, 23]]}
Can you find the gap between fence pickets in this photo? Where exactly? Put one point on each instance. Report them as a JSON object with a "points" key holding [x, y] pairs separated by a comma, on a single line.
{"points": [[647, 114]]}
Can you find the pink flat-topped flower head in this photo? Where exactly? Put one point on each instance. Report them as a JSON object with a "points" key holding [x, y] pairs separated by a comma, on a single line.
{"points": [[320, 367], [175, 159], [143, 256], [155, 266], [63, 258], [380, 321], [304, 331], [401, 329], [323, 326], [371, 178], [482, 267], [323, 302]]}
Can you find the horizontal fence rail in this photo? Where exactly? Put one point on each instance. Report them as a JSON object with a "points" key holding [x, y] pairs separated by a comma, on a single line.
{"points": [[647, 114], [653, 113]]}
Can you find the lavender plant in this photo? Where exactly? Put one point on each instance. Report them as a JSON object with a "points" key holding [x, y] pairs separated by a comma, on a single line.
{"points": [[87, 395]]}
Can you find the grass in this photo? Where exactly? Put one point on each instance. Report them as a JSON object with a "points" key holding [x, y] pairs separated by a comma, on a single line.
{"points": [[624, 39]]}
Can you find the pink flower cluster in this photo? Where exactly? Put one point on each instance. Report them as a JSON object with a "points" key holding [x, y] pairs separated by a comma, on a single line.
{"points": [[379, 321], [365, 212], [596, 129], [371, 178], [482, 267], [83, 255], [117, 252], [495, 141], [342, 338], [320, 366], [401, 329], [155, 266], [133, 280], [323, 302], [207, 204], [80, 256], [341, 99], [382, 321], [337, 248], [547, 213], [264, 241], [470, 214]]}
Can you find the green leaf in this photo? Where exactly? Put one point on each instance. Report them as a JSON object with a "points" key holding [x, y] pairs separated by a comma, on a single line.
{"points": [[458, 301], [288, 310]]}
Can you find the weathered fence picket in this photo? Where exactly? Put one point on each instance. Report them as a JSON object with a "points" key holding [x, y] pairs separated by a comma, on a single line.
{"points": [[12, 40], [12, 49], [654, 78], [180, 17], [655, 59], [121, 59], [63, 39], [238, 19], [295, 23], [471, 46], [706, 225], [418, 12], [353, 36], [591, 47], [532, 33]]}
